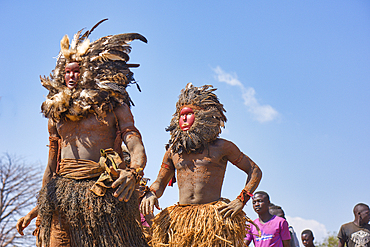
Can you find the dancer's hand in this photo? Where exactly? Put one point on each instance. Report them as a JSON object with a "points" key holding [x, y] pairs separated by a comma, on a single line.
{"points": [[147, 204], [231, 208], [125, 182], [23, 222]]}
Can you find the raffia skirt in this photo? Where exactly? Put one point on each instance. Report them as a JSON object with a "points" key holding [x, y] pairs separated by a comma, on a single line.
{"points": [[71, 215], [197, 225]]}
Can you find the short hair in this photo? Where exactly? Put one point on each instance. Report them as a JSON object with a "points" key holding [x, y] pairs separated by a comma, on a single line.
{"points": [[263, 193], [308, 232], [273, 208], [355, 209]]}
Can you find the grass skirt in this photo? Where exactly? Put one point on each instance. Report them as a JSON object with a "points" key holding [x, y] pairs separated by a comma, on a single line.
{"points": [[93, 221], [198, 225]]}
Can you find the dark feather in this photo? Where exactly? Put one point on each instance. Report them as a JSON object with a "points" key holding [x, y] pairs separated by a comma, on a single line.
{"points": [[133, 65], [138, 87], [120, 54], [127, 37], [120, 47], [87, 33]]}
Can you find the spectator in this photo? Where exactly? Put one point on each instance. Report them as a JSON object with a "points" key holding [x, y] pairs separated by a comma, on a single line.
{"points": [[307, 238], [356, 233], [274, 229], [278, 211]]}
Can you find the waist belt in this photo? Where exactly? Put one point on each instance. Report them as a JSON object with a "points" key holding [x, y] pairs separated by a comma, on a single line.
{"points": [[84, 169], [79, 169]]}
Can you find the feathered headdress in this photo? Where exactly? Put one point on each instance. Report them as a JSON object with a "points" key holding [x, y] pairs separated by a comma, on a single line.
{"points": [[104, 76], [209, 118]]}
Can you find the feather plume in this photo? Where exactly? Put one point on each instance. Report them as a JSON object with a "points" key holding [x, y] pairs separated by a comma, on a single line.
{"points": [[126, 48], [104, 56], [87, 33], [121, 54], [64, 46], [107, 55], [76, 39], [82, 48], [127, 37]]}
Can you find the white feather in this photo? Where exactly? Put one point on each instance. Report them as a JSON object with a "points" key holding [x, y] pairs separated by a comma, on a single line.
{"points": [[84, 94], [82, 48], [75, 39], [189, 85]]}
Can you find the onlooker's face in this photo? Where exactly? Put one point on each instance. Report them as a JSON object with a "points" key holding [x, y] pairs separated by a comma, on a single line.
{"points": [[365, 215], [307, 240], [260, 204], [72, 74]]}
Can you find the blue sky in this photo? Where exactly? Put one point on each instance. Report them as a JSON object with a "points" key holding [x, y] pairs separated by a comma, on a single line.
{"points": [[292, 75]]}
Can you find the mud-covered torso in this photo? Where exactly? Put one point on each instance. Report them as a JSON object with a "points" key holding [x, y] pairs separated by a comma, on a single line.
{"points": [[83, 139], [200, 175]]}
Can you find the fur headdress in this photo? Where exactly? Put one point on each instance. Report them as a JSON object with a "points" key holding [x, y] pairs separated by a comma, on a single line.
{"points": [[209, 118], [104, 76]]}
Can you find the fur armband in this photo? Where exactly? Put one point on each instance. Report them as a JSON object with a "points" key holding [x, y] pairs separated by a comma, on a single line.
{"points": [[133, 129], [165, 166], [238, 159], [244, 196]]}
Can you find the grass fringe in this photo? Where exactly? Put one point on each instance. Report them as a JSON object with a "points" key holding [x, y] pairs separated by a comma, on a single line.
{"points": [[198, 225]]}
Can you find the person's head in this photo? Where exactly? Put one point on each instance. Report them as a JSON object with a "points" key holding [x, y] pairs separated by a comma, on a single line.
{"points": [[307, 238], [95, 73], [197, 121], [276, 210], [72, 74], [362, 213], [261, 202]]}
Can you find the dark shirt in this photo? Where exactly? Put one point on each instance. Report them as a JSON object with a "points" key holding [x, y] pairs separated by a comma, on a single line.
{"points": [[355, 236]]}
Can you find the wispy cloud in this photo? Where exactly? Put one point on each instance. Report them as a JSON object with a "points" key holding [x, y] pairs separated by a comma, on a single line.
{"points": [[261, 113], [299, 224]]}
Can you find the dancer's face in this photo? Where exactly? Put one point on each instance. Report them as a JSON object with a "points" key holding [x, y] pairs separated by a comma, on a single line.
{"points": [[186, 118], [72, 74]]}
